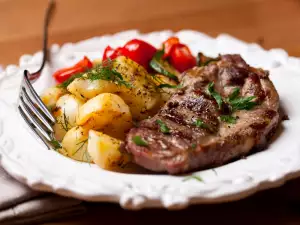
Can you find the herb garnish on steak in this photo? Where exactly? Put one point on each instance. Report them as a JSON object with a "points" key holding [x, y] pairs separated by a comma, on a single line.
{"points": [[223, 110]]}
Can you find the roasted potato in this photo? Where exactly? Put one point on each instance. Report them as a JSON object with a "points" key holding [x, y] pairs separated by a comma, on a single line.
{"points": [[86, 89], [166, 92], [65, 112], [142, 97], [51, 95], [75, 142], [105, 151], [102, 111]]}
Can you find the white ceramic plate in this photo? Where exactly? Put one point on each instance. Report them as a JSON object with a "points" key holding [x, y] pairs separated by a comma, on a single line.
{"points": [[27, 160]]}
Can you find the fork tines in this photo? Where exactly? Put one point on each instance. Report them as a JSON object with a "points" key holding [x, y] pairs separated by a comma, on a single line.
{"points": [[34, 112]]}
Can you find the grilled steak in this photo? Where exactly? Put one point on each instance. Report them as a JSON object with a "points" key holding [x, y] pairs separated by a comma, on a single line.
{"points": [[222, 112]]}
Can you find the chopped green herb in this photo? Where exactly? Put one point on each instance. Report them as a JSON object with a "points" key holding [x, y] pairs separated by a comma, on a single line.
{"points": [[64, 122], [203, 60], [106, 72], [162, 66], [209, 61], [200, 123], [163, 127], [228, 119], [169, 86], [194, 146], [55, 143], [81, 144], [234, 94], [193, 177], [87, 156], [102, 71], [139, 141], [240, 103], [214, 94]]}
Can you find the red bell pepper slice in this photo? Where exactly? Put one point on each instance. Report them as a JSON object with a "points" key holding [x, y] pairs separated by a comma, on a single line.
{"points": [[63, 74], [111, 53]]}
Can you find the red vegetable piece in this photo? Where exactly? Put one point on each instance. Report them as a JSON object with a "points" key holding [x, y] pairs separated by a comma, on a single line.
{"points": [[168, 45], [63, 74], [181, 58], [139, 51], [111, 53]]}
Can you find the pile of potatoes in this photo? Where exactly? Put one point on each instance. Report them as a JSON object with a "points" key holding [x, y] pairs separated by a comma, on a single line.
{"points": [[93, 116]]}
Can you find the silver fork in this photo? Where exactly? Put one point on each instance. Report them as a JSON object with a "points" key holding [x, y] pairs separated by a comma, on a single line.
{"points": [[31, 107]]}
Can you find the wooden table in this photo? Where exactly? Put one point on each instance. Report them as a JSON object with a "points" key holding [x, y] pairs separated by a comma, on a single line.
{"points": [[271, 23]]}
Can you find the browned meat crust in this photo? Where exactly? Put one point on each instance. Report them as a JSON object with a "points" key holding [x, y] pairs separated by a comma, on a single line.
{"points": [[189, 146]]}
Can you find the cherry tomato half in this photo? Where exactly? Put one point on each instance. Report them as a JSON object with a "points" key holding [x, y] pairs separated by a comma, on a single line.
{"points": [[139, 51], [168, 45], [181, 58]]}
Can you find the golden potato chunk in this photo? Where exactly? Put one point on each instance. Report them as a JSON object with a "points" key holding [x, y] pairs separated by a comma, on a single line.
{"points": [[142, 97], [65, 112], [51, 95], [102, 111], [75, 142], [105, 151], [166, 92]]}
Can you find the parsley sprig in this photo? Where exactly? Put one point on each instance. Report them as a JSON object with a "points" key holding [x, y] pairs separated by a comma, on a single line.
{"points": [[234, 101], [211, 91], [163, 127], [228, 119], [240, 103], [170, 86], [139, 141], [200, 123]]}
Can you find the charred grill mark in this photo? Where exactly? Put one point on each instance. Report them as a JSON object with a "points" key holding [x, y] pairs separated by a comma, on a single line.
{"points": [[172, 104], [173, 115], [184, 135], [259, 125], [199, 105]]}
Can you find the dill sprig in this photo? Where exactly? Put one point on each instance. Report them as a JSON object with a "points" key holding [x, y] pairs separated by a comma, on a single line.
{"points": [[87, 156], [195, 177], [81, 144], [56, 144], [102, 71], [105, 71], [64, 122]]}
